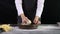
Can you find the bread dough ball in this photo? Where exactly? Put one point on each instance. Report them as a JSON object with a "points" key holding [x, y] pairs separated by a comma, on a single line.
{"points": [[29, 22], [6, 27]]}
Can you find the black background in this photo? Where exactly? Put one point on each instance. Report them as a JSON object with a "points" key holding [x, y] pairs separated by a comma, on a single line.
{"points": [[51, 12], [50, 15]]}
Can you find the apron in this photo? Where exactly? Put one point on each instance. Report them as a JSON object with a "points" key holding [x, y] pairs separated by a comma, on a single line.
{"points": [[29, 8]]}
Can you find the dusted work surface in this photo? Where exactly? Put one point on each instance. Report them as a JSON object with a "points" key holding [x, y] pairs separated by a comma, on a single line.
{"points": [[42, 29]]}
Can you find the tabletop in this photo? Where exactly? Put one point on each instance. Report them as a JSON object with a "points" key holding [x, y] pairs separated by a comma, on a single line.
{"points": [[42, 29]]}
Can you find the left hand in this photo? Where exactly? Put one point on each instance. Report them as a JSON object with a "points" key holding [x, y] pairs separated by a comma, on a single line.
{"points": [[36, 20]]}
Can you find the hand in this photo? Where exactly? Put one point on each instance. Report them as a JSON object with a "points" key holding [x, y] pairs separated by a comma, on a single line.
{"points": [[36, 20], [24, 18]]}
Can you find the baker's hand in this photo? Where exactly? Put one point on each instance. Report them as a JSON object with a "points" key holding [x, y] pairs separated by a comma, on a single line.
{"points": [[24, 18], [36, 20]]}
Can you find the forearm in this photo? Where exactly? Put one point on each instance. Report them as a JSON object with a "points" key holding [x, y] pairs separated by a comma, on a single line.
{"points": [[40, 6], [18, 4]]}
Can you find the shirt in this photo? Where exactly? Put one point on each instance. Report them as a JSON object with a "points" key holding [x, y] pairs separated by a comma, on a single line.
{"points": [[39, 10]]}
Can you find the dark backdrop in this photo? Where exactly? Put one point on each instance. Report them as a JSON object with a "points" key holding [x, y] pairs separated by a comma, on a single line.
{"points": [[51, 12], [8, 13]]}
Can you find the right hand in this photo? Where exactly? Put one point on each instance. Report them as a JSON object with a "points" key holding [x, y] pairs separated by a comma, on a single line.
{"points": [[24, 18]]}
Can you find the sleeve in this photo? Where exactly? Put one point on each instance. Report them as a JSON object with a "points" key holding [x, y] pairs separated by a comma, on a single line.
{"points": [[18, 4], [40, 6]]}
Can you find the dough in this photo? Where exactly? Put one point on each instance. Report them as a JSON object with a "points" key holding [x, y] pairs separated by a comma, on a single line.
{"points": [[29, 22], [6, 27]]}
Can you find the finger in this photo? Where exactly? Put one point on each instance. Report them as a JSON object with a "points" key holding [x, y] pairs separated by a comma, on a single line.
{"points": [[25, 22], [22, 21], [35, 21], [38, 22], [27, 19]]}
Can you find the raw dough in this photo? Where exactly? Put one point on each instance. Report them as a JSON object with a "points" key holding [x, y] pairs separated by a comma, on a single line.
{"points": [[6, 27]]}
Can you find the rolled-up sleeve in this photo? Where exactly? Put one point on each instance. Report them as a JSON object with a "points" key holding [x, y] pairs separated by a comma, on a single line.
{"points": [[40, 6], [18, 4]]}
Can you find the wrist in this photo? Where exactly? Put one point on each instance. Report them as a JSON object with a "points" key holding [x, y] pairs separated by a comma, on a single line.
{"points": [[22, 15], [37, 17]]}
